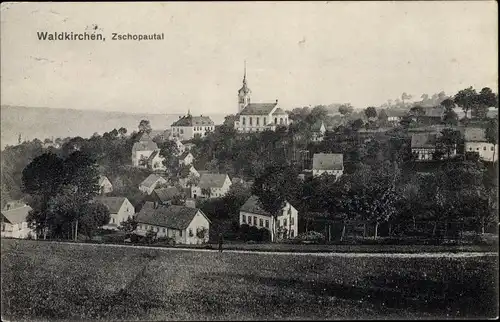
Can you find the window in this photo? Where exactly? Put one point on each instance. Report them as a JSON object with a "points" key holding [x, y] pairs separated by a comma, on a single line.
{"points": [[250, 121], [244, 121], [267, 223], [484, 148], [180, 233], [291, 233], [284, 222], [265, 121], [281, 120], [279, 223], [164, 230], [491, 148], [477, 149], [291, 221], [261, 222], [191, 232], [257, 121], [275, 120], [255, 220], [182, 131], [243, 219], [113, 220]]}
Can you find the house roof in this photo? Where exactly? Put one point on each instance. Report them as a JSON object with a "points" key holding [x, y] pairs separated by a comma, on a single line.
{"points": [[254, 206], [150, 180], [166, 194], [190, 120], [212, 180], [102, 179], [153, 155], [144, 145], [176, 217], [279, 111], [113, 203], [317, 126], [423, 140], [396, 112], [184, 155], [16, 215], [258, 109], [475, 134], [328, 161]]}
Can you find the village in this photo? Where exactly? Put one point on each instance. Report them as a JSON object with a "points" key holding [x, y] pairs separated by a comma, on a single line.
{"points": [[181, 204]]}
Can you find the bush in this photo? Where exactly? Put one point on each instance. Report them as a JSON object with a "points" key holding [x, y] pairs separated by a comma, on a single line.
{"points": [[311, 236]]}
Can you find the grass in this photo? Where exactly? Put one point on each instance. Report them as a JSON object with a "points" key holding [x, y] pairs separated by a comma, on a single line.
{"points": [[46, 281]]}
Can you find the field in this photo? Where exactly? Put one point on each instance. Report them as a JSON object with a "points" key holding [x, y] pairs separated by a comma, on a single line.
{"points": [[46, 281]]}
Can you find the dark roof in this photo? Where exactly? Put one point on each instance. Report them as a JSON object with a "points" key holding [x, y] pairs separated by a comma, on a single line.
{"points": [[150, 180], [113, 203], [212, 180], [396, 112], [423, 140], [16, 215], [258, 109], [434, 111], [254, 206], [475, 134], [166, 194], [184, 155], [189, 120], [176, 217], [144, 145], [328, 161]]}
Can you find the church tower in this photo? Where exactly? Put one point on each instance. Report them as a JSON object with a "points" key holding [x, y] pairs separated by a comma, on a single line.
{"points": [[244, 92]]}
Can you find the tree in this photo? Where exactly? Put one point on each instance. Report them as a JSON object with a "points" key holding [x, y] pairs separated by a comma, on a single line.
{"points": [[448, 141], [450, 118], [122, 131], [169, 151], [346, 110], [467, 99], [145, 126], [382, 117], [491, 133], [417, 111], [371, 112], [128, 225], [92, 216], [405, 96], [229, 120], [486, 99]]}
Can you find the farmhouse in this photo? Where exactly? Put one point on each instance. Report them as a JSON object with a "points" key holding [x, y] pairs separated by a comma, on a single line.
{"points": [[105, 185], [120, 210], [423, 145], [188, 127], [211, 185], [15, 223], [142, 150], [252, 213], [318, 130], [475, 141], [432, 115], [186, 158], [164, 196], [155, 161], [185, 225], [149, 184], [186, 175], [329, 163], [395, 115]]}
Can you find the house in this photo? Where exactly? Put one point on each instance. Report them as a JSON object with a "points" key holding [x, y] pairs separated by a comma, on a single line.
{"points": [[252, 213], [159, 135], [187, 175], [15, 223], [475, 141], [432, 115], [257, 117], [186, 158], [188, 127], [329, 163], [211, 185], [164, 196], [142, 150], [120, 210], [186, 225], [189, 146], [155, 161], [150, 183], [318, 130], [302, 158], [423, 145], [395, 115], [105, 185]]}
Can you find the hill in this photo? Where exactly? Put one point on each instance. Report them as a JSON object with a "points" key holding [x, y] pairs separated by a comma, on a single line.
{"points": [[43, 122]]}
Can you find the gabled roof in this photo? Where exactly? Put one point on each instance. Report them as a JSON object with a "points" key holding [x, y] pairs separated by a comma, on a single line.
{"points": [[176, 217], [144, 145], [423, 140], [258, 109], [184, 155], [279, 111], [153, 155], [16, 215], [328, 161], [317, 126], [166, 194], [436, 111], [212, 180], [475, 134], [254, 206], [113, 203], [190, 120], [150, 180], [102, 179]]}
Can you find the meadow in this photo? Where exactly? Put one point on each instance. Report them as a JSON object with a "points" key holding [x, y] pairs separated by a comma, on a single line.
{"points": [[48, 281]]}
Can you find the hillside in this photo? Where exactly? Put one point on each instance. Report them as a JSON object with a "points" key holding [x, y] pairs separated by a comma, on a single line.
{"points": [[42, 122]]}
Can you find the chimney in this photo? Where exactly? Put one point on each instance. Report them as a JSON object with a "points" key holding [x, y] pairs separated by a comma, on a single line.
{"points": [[276, 101]]}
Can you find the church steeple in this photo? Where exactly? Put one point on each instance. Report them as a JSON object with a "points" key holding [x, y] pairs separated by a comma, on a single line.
{"points": [[244, 92]]}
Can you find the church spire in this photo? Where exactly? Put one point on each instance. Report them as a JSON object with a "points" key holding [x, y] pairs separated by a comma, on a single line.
{"points": [[245, 73]]}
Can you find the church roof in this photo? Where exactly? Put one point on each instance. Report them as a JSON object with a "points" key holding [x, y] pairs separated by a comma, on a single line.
{"points": [[258, 109], [279, 111], [193, 121]]}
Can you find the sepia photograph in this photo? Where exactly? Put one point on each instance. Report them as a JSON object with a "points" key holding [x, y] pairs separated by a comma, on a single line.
{"points": [[254, 160]]}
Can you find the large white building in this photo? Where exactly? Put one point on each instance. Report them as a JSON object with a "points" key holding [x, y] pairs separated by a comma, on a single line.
{"points": [[475, 141], [257, 117]]}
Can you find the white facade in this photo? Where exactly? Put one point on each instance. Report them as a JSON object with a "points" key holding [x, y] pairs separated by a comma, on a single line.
{"points": [[19, 230], [260, 123], [181, 236], [156, 163], [105, 185], [149, 189], [337, 173], [184, 133], [487, 151], [188, 159], [286, 225], [125, 212], [215, 192]]}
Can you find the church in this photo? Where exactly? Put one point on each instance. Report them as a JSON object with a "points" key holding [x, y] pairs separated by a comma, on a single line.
{"points": [[257, 117]]}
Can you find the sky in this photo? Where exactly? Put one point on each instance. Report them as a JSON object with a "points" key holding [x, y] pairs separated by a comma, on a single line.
{"points": [[301, 53]]}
